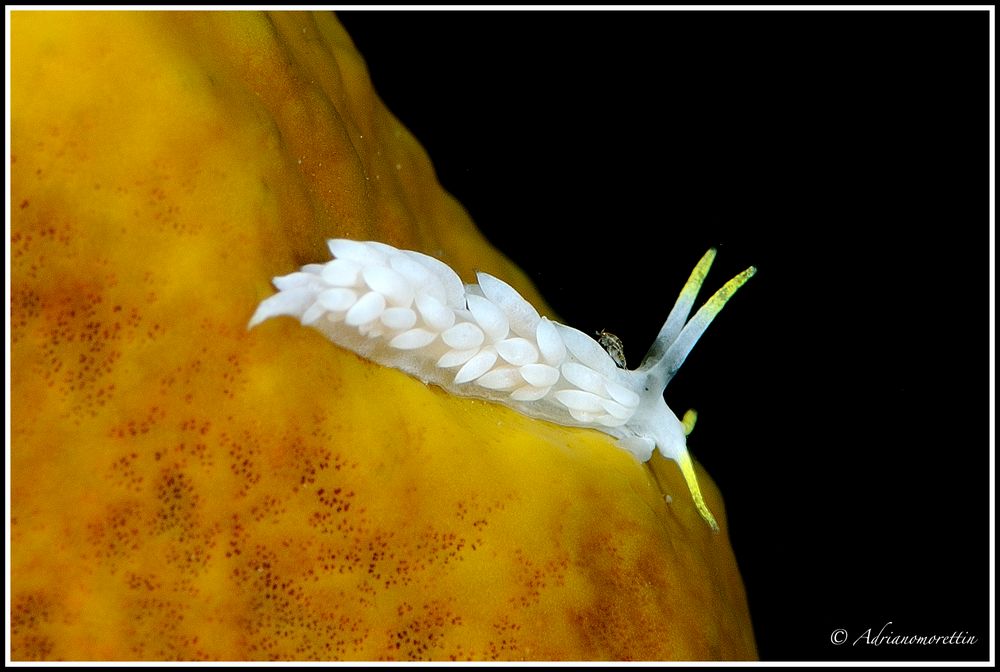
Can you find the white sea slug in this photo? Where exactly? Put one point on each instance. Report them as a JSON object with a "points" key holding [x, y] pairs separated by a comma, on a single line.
{"points": [[412, 312]]}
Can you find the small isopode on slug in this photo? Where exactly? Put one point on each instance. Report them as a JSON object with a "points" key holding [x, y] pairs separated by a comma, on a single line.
{"points": [[412, 312], [613, 345]]}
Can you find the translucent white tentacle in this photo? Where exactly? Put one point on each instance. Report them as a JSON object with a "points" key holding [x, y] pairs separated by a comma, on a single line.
{"points": [[679, 313]]}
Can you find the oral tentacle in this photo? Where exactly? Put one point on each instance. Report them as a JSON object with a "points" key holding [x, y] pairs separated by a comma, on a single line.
{"points": [[691, 480]]}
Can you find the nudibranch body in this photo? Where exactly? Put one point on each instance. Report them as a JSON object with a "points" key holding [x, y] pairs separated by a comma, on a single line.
{"points": [[412, 312]]}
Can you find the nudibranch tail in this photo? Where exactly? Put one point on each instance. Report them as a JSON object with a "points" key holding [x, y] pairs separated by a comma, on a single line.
{"points": [[412, 312]]}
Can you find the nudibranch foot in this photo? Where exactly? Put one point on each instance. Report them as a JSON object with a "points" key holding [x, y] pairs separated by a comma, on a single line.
{"points": [[412, 312]]}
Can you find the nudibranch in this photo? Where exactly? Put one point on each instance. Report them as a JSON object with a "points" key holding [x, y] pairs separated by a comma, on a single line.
{"points": [[412, 312]]}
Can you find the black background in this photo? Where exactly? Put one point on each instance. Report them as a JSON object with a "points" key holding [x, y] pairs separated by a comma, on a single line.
{"points": [[843, 393]]}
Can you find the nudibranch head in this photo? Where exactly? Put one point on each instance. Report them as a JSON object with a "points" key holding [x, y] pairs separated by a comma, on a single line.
{"points": [[412, 312]]}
